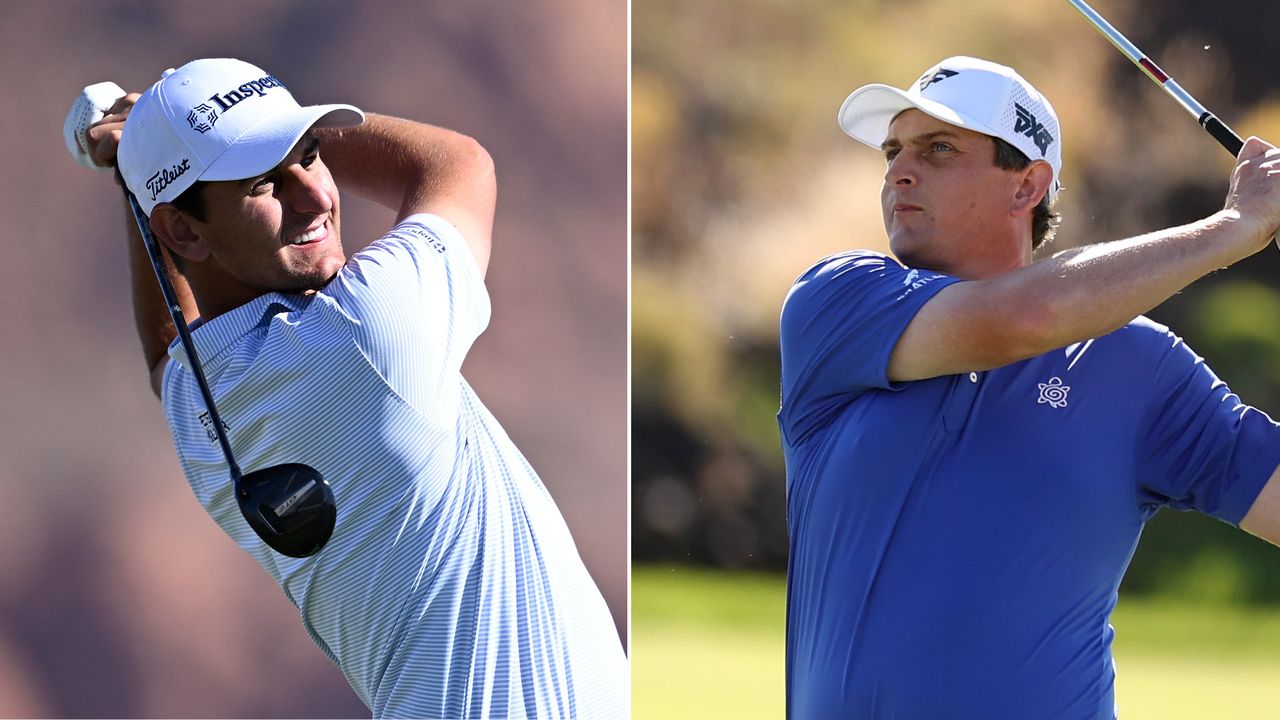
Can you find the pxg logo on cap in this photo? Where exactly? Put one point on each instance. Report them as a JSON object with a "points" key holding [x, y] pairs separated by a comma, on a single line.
{"points": [[1027, 124], [214, 119], [930, 78]]}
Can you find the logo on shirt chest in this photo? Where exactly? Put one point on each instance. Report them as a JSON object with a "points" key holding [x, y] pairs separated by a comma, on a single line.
{"points": [[207, 423], [914, 281], [1054, 393]]}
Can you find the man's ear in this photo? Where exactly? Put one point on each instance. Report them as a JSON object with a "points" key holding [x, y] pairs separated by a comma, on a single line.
{"points": [[173, 228], [1036, 178]]}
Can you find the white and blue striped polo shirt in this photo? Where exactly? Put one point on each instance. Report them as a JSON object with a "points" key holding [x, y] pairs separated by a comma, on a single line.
{"points": [[451, 586]]}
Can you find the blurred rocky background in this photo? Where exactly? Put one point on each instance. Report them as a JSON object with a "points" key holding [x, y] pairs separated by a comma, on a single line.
{"points": [[741, 180], [118, 596]]}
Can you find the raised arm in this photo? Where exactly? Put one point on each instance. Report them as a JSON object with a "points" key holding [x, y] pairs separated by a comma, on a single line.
{"points": [[1263, 518], [403, 165], [150, 313], [412, 167], [1089, 291]]}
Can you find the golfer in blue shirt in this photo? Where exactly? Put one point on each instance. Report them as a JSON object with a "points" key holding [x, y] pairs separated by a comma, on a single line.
{"points": [[974, 440]]}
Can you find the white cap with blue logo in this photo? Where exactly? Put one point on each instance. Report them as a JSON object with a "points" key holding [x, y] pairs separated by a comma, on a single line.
{"points": [[214, 119], [966, 92]]}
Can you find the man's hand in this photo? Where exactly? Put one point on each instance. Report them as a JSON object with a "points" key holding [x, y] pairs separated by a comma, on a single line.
{"points": [[1254, 193], [92, 131], [95, 123], [104, 135]]}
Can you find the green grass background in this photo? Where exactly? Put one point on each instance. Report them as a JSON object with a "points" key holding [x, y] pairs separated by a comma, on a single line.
{"points": [[709, 644]]}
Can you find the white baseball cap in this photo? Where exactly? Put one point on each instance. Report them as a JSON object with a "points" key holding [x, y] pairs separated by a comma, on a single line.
{"points": [[214, 119], [966, 92]]}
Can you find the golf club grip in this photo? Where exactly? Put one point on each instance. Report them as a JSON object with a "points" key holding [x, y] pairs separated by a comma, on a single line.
{"points": [[180, 324], [1223, 134]]}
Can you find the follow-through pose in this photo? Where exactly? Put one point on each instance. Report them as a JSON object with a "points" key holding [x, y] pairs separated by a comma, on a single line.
{"points": [[974, 440], [450, 586]]}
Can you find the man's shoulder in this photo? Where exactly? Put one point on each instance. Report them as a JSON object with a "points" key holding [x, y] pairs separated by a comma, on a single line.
{"points": [[840, 268], [867, 261], [424, 231], [1144, 333], [855, 278], [422, 250]]}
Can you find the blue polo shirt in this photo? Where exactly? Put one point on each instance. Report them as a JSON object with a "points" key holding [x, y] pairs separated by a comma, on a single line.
{"points": [[451, 587], [957, 543]]}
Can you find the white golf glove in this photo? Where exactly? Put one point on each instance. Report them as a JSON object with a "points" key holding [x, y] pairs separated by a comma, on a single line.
{"points": [[88, 108]]}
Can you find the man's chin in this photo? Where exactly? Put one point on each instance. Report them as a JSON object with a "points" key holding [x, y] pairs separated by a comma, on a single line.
{"points": [[908, 251], [309, 282], [920, 261]]}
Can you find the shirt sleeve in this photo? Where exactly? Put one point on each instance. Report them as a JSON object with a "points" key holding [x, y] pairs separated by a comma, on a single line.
{"points": [[415, 301], [1200, 447], [840, 322]]}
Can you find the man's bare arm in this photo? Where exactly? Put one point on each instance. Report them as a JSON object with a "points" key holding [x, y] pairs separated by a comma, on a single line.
{"points": [[1090, 291], [411, 167], [150, 312], [1075, 295], [1263, 518], [406, 166]]}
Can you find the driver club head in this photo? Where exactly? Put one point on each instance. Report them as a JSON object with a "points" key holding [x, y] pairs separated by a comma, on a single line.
{"points": [[291, 507]]}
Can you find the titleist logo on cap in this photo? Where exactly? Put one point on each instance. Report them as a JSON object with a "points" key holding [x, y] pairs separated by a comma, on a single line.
{"points": [[164, 177]]}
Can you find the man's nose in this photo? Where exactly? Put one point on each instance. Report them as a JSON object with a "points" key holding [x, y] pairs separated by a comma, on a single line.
{"points": [[308, 191], [901, 170]]}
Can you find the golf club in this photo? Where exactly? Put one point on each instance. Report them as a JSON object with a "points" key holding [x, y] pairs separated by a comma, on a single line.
{"points": [[291, 506], [1210, 122]]}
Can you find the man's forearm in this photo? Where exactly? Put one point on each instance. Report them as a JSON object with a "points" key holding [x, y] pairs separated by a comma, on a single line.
{"points": [[150, 312], [412, 168], [1075, 295], [400, 164], [1089, 291]]}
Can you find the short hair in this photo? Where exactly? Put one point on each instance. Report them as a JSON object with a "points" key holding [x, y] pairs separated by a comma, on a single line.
{"points": [[191, 200], [1044, 220]]}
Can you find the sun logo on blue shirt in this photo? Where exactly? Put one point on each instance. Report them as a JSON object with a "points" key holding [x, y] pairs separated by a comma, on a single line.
{"points": [[1054, 393]]}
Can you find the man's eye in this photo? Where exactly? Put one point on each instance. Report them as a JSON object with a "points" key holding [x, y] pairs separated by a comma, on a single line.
{"points": [[308, 160], [263, 183], [891, 153], [941, 147]]}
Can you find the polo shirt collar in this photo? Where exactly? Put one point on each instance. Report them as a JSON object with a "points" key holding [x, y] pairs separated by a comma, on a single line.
{"points": [[214, 337]]}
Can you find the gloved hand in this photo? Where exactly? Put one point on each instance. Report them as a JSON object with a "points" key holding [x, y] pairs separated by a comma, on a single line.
{"points": [[93, 119]]}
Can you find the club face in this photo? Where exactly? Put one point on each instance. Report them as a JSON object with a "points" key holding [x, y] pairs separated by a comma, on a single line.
{"points": [[291, 507]]}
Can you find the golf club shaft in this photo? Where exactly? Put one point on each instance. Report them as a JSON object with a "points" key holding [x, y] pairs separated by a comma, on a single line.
{"points": [[1210, 122], [180, 323]]}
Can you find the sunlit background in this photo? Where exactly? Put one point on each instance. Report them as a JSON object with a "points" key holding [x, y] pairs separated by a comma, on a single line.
{"points": [[119, 597], [742, 179]]}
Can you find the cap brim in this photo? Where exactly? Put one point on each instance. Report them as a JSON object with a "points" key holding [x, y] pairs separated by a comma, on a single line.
{"points": [[264, 145], [867, 112]]}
